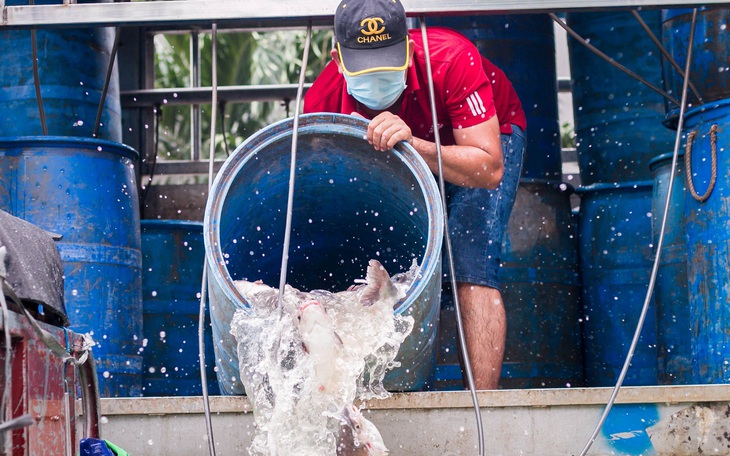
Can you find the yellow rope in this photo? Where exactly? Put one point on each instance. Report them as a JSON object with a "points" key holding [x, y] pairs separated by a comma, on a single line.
{"points": [[688, 164]]}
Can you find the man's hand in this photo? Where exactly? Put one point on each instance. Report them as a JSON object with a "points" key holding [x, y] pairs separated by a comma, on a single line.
{"points": [[386, 129]]}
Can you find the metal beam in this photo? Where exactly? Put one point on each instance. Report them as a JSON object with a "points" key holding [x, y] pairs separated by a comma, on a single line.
{"points": [[283, 13], [203, 95], [169, 167]]}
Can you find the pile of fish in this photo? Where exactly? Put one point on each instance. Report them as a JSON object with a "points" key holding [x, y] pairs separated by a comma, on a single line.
{"points": [[304, 366]]}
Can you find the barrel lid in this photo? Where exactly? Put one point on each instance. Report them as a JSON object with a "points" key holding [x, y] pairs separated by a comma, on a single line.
{"points": [[673, 13], [660, 159], [67, 142], [672, 118]]}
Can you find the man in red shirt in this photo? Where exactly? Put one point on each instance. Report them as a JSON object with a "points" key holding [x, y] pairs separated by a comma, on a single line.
{"points": [[378, 71]]}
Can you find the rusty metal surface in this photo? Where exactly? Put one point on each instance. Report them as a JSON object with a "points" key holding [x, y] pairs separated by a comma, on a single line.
{"points": [[708, 241], [38, 388]]}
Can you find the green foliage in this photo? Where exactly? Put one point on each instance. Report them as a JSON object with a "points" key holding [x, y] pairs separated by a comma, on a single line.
{"points": [[567, 136], [249, 58]]}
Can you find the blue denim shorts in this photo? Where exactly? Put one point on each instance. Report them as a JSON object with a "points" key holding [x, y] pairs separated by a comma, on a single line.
{"points": [[478, 219]]}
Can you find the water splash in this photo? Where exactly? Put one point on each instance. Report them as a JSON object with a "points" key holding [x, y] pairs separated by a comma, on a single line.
{"points": [[303, 403]]}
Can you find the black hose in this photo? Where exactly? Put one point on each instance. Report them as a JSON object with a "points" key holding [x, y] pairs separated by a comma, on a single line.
{"points": [[608, 59], [36, 79], [110, 67]]}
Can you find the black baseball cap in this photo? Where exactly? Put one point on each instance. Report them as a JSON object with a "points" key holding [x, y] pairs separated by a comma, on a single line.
{"points": [[371, 35]]}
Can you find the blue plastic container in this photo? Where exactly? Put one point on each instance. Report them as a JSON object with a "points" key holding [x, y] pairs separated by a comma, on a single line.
{"points": [[352, 204], [519, 44], [670, 290], [172, 273], [710, 67], [708, 244], [72, 66], [6, 173], [618, 120], [616, 256], [86, 190], [541, 292]]}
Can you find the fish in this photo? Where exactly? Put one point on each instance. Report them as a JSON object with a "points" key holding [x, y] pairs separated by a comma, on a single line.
{"points": [[379, 287], [264, 299], [322, 343], [363, 437]]}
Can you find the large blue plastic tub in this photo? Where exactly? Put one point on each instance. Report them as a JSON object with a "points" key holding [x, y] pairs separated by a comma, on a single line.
{"points": [[352, 204]]}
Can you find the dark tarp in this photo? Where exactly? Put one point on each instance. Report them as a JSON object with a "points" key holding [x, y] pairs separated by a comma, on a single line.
{"points": [[34, 268]]}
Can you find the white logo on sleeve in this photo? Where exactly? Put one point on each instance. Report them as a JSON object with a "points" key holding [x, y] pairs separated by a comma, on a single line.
{"points": [[475, 104]]}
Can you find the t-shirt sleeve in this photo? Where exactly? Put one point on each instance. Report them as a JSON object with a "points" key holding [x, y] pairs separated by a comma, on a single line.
{"points": [[324, 94], [469, 97]]}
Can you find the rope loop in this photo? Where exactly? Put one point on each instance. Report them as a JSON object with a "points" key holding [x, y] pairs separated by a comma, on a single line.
{"points": [[688, 164]]}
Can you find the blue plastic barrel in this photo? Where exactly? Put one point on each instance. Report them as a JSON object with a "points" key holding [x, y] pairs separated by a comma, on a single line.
{"points": [[72, 66], [674, 349], [352, 204], [6, 172], [541, 292], [448, 375], [710, 66], [519, 44], [616, 256], [618, 120], [86, 190], [708, 243], [172, 272]]}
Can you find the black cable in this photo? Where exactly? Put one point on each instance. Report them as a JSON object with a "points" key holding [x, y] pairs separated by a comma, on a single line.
{"points": [[665, 53], [110, 67], [610, 60], [36, 79]]}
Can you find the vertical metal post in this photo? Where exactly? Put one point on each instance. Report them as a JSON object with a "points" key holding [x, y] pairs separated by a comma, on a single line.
{"points": [[195, 124], [147, 118], [204, 285]]}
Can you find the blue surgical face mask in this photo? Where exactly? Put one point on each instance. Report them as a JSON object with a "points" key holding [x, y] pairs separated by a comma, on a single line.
{"points": [[377, 90]]}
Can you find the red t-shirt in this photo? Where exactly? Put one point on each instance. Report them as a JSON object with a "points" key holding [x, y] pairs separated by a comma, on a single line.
{"points": [[469, 89]]}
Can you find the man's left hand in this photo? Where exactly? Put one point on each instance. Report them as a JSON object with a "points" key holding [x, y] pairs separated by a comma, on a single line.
{"points": [[386, 129]]}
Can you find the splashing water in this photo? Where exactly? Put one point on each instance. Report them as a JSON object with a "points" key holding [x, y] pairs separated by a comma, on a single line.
{"points": [[304, 371]]}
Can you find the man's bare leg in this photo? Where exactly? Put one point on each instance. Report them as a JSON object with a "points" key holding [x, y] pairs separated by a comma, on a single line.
{"points": [[485, 329]]}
